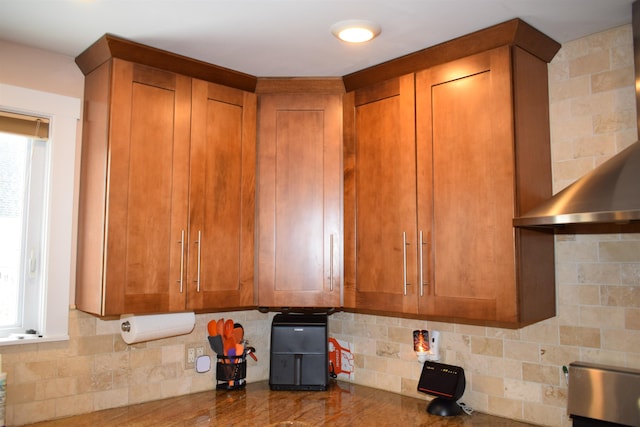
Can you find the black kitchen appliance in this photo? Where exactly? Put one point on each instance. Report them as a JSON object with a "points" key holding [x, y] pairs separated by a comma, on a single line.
{"points": [[299, 352], [447, 383]]}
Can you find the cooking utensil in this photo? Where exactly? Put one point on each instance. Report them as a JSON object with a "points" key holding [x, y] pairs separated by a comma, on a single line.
{"points": [[216, 344], [239, 349], [228, 328], [231, 353], [212, 328], [228, 339], [220, 327], [238, 332], [228, 344], [251, 352]]}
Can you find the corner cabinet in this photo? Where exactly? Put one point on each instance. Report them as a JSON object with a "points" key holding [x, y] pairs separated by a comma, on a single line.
{"points": [[299, 193], [432, 205], [167, 184]]}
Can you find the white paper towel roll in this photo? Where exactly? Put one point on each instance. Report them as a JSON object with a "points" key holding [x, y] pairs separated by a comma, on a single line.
{"points": [[136, 329]]}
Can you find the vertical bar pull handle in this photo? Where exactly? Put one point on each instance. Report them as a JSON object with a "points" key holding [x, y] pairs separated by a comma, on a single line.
{"points": [[404, 263], [421, 272], [199, 243], [181, 260], [331, 263]]}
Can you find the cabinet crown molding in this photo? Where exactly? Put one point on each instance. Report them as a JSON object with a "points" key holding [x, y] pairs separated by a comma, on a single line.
{"points": [[303, 85], [514, 32], [110, 46]]}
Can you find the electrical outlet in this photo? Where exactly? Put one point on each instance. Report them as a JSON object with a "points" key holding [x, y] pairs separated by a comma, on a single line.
{"points": [[191, 352], [190, 355]]}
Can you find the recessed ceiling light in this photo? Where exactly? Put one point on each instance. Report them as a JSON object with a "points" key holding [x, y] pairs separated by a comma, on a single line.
{"points": [[355, 31]]}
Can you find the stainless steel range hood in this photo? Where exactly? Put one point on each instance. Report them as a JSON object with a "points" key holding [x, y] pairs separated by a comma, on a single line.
{"points": [[610, 194]]}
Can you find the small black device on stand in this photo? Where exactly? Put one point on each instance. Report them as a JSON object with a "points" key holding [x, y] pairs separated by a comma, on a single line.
{"points": [[447, 383]]}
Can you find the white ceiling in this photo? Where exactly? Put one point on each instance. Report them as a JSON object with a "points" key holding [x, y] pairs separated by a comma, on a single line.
{"points": [[269, 38]]}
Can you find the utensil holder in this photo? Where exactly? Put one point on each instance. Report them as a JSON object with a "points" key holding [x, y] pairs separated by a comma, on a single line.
{"points": [[231, 372]]}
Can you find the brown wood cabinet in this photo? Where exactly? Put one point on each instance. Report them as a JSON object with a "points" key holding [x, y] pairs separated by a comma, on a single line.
{"points": [[222, 197], [384, 185], [433, 234], [133, 189], [440, 150], [166, 195], [479, 161], [299, 193]]}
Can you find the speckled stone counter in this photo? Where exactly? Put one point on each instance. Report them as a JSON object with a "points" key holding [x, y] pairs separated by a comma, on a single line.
{"points": [[344, 404]]}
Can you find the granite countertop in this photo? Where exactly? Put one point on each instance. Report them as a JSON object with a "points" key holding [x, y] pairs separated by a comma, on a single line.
{"points": [[344, 404]]}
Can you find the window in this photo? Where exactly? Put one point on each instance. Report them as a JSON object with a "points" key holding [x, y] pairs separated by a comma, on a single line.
{"points": [[37, 193], [23, 194]]}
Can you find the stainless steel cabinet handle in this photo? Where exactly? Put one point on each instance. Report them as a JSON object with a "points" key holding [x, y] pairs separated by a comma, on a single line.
{"points": [[181, 260], [422, 282], [199, 243], [331, 263], [404, 262]]}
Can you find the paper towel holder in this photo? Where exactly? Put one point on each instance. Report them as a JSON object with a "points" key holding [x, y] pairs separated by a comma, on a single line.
{"points": [[125, 326], [134, 328]]}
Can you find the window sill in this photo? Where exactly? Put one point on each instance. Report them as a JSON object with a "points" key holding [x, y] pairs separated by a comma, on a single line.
{"points": [[19, 339]]}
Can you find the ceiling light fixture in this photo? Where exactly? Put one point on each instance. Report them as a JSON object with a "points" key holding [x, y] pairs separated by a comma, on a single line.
{"points": [[355, 31]]}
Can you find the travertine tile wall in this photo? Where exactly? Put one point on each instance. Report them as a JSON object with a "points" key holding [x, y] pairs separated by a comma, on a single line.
{"points": [[518, 373], [512, 373], [96, 370]]}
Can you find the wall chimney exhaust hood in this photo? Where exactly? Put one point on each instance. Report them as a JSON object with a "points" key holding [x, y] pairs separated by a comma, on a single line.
{"points": [[609, 194]]}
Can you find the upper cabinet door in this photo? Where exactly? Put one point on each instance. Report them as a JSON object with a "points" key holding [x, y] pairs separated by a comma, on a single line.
{"points": [[483, 154], [466, 187], [147, 189], [299, 200], [222, 194], [385, 197], [149, 140]]}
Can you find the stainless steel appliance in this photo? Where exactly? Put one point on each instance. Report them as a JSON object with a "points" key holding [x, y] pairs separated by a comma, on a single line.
{"points": [[601, 395]]}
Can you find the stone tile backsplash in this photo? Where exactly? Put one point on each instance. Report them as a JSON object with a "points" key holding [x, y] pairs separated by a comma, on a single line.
{"points": [[96, 370], [511, 373]]}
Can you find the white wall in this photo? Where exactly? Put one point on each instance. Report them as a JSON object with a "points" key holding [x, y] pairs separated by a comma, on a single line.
{"points": [[40, 70], [45, 71]]}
